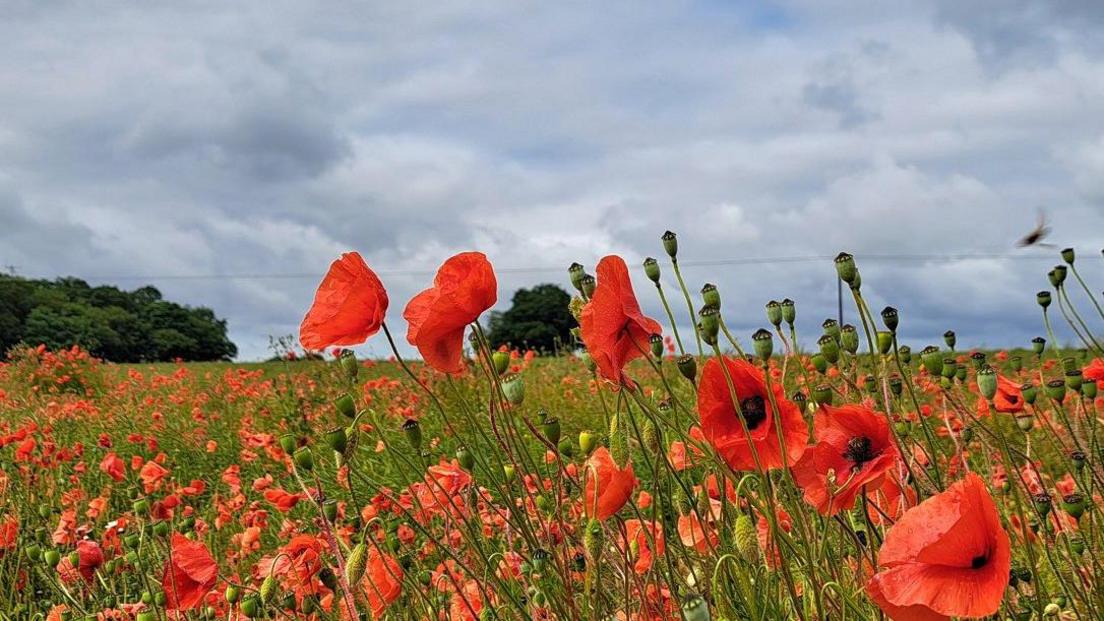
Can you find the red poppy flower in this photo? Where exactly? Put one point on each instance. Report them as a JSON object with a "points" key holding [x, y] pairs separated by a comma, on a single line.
{"points": [[348, 307], [113, 466], [190, 573], [612, 326], [1094, 371], [771, 553], [696, 533], [608, 487], [638, 541], [464, 287], [382, 583], [853, 452], [152, 473], [946, 557], [722, 427], [90, 557], [1009, 397], [282, 500]]}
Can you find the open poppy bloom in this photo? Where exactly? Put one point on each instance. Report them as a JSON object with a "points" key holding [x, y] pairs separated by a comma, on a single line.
{"points": [[382, 582], [348, 307], [720, 417], [946, 557], [853, 452], [90, 557], [1094, 371], [1009, 397], [190, 573], [464, 287], [608, 486], [613, 328]]}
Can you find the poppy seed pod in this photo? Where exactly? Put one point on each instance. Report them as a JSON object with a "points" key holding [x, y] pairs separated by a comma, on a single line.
{"points": [[1016, 362], [695, 608], [670, 243], [1025, 422], [890, 318], [304, 460], [1077, 458], [1043, 298], [845, 267], [550, 427], [789, 311], [764, 344], [687, 366], [345, 405], [822, 394], [709, 322], [979, 359], [576, 272], [820, 363], [849, 338], [857, 283], [465, 457], [337, 440], [413, 432], [895, 385], [799, 400], [1038, 344], [1056, 390], [829, 348], [656, 341], [1074, 504], [1029, 393], [950, 365], [1057, 276], [287, 442], [949, 339], [513, 386], [232, 594], [348, 362], [145, 615], [831, 327], [588, 284], [774, 313], [329, 509], [1042, 502], [885, 342], [509, 472], [987, 382], [1069, 363], [501, 361], [870, 384], [651, 269], [967, 434], [710, 295], [932, 359], [960, 373], [1088, 389], [1074, 380]]}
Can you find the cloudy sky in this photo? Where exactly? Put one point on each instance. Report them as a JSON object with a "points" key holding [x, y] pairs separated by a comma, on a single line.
{"points": [[192, 139]]}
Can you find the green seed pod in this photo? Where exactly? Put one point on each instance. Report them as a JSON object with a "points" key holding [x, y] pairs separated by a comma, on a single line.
{"points": [[1056, 390], [589, 285], [1042, 502], [949, 339], [587, 442], [987, 383], [694, 608], [509, 472], [870, 384], [687, 366], [1068, 255], [328, 578], [895, 385], [1030, 392], [287, 602], [287, 443], [141, 506], [466, 459], [670, 244], [337, 440], [161, 529], [1057, 275], [1016, 363], [950, 365], [413, 432], [1043, 298], [567, 448], [501, 361], [513, 386], [1074, 504], [789, 311], [822, 395], [1025, 422], [831, 328], [799, 400], [1088, 389], [932, 359], [593, 539], [1077, 544], [829, 348], [845, 267], [710, 295], [146, 615], [1038, 344], [709, 324], [849, 339], [656, 341], [356, 563], [251, 607], [967, 434], [1069, 363], [747, 541], [1074, 380], [33, 552], [764, 344], [1077, 458], [651, 269], [885, 342], [349, 365], [820, 363], [576, 272], [960, 373], [303, 458], [268, 589], [345, 405], [774, 313], [890, 319], [906, 354], [329, 509]]}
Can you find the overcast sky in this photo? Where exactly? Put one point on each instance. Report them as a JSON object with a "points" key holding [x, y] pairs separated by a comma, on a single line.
{"points": [[265, 138]]}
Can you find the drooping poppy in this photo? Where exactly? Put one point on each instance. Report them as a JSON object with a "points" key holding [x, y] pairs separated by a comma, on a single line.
{"points": [[190, 573], [464, 287], [607, 486], [720, 418], [853, 452], [613, 328], [348, 307], [946, 557]]}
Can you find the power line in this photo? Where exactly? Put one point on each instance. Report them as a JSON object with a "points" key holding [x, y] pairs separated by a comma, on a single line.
{"points": [[878, 258]]}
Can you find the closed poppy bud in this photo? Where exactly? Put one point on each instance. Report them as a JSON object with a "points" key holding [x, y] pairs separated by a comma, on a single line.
{"points": [[501, 361], [413, 433], [1077, 458], [670, 243], [1038, 344], [567, 448], [74, 558], [820, 363], [895, 385], [287, 602], [845, 267], [33, 553], [589, 284], [1056, 390], [550, 427], [829, 348], [885, 341], [710, 295], [890, 318], [1029, 392], [1057, 275], [588, 360], [348, 362], [746, 539], [987, 383], [822, 395], [329, 509], [1043, 298], [287, 443], [687, 366], [950, 365], [1074, 380], [651, 437], [509, 472], [764, 344], [345, 405], [337, 440], [576, 272], [651, 269], [1074, 504], [52, 557], [268, 589], [513, 386], [656, 341], [594, 539], [328, 578], [587, 442], [161, 529], [304, 459], [141, 506], [906, 354], [251, 607], [1088, 389], [356, 563], [1025, 422], [694, 608], [849, 339], [464, 456], [1016, 363], [789, 311], [709, 322], [146, 615], [932, 360], [831, 327]]}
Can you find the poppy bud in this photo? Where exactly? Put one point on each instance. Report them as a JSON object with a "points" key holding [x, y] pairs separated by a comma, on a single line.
{"points": [[232, 594], [987, 382], [789, 311], [902, 428], [849, 338], [337, 440], [1074, 504], [509, 472], [329, 509], [587, 442], [890, 319], [1057, 276], [501, 361], [1088, 389], [567, 448], [345, 405], [845, 267], [268, 589], [141, 506], [161, 529], [413, 432], [932, 360], [1074, 380], [1016, 362], [1069, 363], [303, 458], [146, 615], [593, 539], [251, 607], [949, 339], [747, 542], [656, 341], [829, 348], [550, 427], [831, 328], [1056, 390], [1077, 458], [709, 324], [52, 557], [764, 344], [356, 563], [589, 361], [895, 385], [1025, 422], [348, 362], [1029, 392], [822, 394], [466, 459], [670, 243], [885, 341], [687, 366], [1038, 344], [710, 295], [651, 269], [906, 354], [651, 436], [287, 443], [513, 386], [950, 365], [576, 272], [694, 608], [33, 553], [820, 363], [74, 558]]}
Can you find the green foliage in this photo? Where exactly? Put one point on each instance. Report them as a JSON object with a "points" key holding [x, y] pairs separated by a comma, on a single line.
{"points": [[537, 319], [116, 325]]}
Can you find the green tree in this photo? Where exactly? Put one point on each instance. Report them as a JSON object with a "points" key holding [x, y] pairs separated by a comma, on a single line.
{"points": [[538, 319]]}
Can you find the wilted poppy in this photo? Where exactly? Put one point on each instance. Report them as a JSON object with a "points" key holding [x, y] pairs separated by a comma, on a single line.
{"points": [[720, 418], [854, 450], [464, 287], [348, 307], [946, 557], [607, 486], [190, 573], [613, 328]]}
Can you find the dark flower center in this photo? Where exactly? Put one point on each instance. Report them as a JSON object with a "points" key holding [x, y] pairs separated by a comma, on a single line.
{"points": [[859, 451], [1012, 399], [754, 411], [979, 561]]}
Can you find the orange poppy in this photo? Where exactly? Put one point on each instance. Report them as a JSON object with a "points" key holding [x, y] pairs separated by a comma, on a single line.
{"points": [[464, 287], [853, 452], [382, 583], [283, 501], [608, 486], [1094, 371], [113, 466], [638, 542], [946, 557], [613, 328], [348, 307], [720, 419], [190, 573], [1009, 397]]}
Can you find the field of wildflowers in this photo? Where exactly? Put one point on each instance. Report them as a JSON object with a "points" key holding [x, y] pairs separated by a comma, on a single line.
{"points": [[657, 475]]}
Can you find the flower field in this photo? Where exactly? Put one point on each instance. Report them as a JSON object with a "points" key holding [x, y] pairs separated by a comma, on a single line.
{"points": [[658, 474]]}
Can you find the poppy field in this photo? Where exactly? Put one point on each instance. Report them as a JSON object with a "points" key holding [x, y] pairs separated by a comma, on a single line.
{"points": [[656, 473]]}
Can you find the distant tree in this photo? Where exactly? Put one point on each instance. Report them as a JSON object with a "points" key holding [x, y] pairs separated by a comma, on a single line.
{"points": [[538, 319]]}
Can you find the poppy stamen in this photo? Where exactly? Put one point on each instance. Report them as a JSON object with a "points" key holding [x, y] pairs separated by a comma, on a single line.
{"points": [[754, 411], [859, 451]]}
